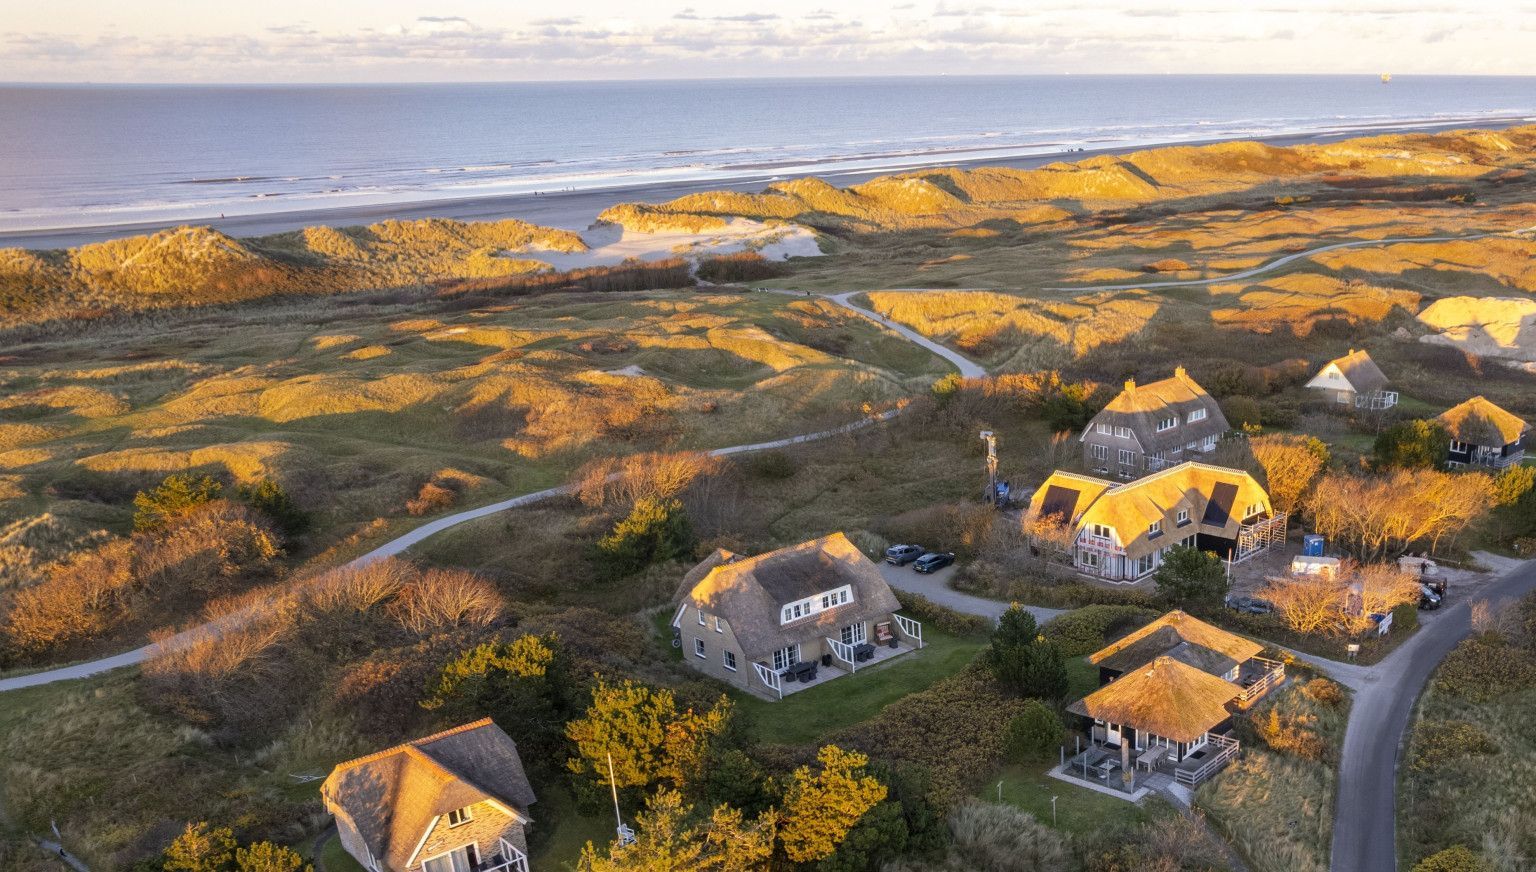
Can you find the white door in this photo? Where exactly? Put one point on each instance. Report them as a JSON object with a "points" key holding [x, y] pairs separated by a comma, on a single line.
{"points": [[785, 658], [854, 634]]}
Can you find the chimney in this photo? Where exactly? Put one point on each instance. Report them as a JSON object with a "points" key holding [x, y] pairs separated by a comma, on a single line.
{"points": [[1178, 372], [1130, 385]]}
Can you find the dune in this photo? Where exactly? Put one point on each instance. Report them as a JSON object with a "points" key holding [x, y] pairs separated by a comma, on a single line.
{"points": [[1487, 326]]}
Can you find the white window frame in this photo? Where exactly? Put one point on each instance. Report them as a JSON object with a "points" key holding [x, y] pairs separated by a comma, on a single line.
{"points": [[728, 659], [1155, 528], [471, 856], [1196, 415], [701, 617], [1127, 457], [1104, 429], [718, 627], [700, 650], [854, 634], [1167, 424], [1100, 452], [1102, 531], [819, 603], [1123, 432], [1183, 517], [1460, 447], [465, 815], [783, 658]]}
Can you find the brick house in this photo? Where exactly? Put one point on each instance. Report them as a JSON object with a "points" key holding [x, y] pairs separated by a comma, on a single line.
{"points": [[1483, 434], [455, 801], [1354, 380], [1151, 427], [788, 619], [1119, 531]]}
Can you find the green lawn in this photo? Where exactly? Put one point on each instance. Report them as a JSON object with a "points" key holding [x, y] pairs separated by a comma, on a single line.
{"points": [[809, 715], [1079, 811], [1082, 677], [336, 859], [572, 830]]}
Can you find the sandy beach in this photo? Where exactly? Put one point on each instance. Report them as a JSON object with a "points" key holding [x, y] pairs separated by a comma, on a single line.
{"points": [[576, 210]]}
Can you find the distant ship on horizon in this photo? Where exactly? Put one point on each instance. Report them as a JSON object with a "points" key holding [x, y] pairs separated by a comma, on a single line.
{"points": [[1385, 78]]}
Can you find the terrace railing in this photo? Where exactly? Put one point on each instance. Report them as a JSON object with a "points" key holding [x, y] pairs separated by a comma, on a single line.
{"points": [[770, 678], [509, 860], [1225, 749], [842, 652], [911, 628], [1274, 675]]}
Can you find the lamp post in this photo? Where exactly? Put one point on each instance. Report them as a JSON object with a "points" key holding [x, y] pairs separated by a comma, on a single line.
{"points": [[1053, 812]]}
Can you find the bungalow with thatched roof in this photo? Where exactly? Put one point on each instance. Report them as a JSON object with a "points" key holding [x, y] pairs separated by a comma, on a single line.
{"points": [[1149, 427], [1483, 434], [453, 801], [782, 621], [1169, 690], [1355, 380], [1120, 532]]}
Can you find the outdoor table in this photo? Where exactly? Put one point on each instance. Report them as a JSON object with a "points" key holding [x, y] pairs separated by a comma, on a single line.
{"points": [[804, 671], [863, 651]]}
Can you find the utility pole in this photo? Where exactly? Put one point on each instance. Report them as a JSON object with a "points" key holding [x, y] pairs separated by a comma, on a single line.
{"points": [[626, 835], [990, 438]]}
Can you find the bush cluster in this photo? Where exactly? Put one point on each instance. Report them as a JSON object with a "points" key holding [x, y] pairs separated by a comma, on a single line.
{"points": [[1087, 629], [926, 611], [1437, 742], [1484, 668]]}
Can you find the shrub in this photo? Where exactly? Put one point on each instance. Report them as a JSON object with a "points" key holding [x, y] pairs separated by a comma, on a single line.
{"points": [[654, 531], [645, 735], [742, 266], [1412, 445], [201, 848], [1325, 692], [1292, 733], [1405, 617], [1022, 661], [1087, 629], [962, 527], [269, 498], [822, 806], [443, 598], [268, 857], [1242, 411], [434, 496], [1458, 858], [173, 499], [1437, 742], [1483, 668], [927, 611], [1001, 838], [1034, 733], [1189, 575]]}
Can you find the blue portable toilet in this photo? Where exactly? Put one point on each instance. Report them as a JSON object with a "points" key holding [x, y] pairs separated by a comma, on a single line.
{"points": [[1312, 545]]}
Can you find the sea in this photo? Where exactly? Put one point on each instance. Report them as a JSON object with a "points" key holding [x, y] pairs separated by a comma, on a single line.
{"points": [[83, 155]]}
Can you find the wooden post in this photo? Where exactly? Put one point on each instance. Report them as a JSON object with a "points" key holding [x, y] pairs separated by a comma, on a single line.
{"points": [[1127, 776]]}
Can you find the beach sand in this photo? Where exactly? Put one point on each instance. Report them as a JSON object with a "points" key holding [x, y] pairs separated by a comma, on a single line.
{"points": [[576, 210]]}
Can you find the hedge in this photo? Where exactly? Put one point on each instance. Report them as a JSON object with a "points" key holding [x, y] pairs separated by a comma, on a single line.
{"points": [[945, 618], [1086, 630]]}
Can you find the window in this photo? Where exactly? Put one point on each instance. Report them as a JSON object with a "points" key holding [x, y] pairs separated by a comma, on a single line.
{"points": [[854, 634], [836, 598], [1183, 517], [1252, 510], [1127, 456], [1208, 444], [1100, 452], [458, 860], [1143, 565], [1104, 429], [701, 617], [785, 658], [730, 660], [1459, 447], [1101, 531], [1155, 528], [1123, 432], [460, 816], [1196, 415], [831, 599], [1167, 424], [718, 628], [698, 648], [1090, 560]]}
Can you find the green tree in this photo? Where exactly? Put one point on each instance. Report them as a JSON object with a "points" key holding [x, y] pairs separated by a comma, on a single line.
{"points": [[268, 857], [822, 806], [1022, 660], [1189, 575], [667, 840], [1034, 733], [653, 531], [269, 498], [1457, 858], [519, 683], [201, 848], [172, 499], [650, 739], [1416, 444], [733, 778], [1242, 412]]}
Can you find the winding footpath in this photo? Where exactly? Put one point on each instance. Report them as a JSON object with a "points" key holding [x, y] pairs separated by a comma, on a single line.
{"points": [[1279, 262]]}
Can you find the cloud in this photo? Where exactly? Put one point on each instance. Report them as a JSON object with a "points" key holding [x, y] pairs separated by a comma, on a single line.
{"points": [[570, 21]]}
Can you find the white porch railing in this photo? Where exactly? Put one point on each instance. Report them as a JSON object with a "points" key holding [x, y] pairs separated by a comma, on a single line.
{"points": [[1272, 678], [1376, 400], [911, 628], [511, 860], [842, 652], [1225, 749], [770, 678]]}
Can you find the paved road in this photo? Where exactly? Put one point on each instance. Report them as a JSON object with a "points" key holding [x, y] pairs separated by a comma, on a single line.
{"points": [[1287, 259], [1365, 816], [388, 549], [936, 587], [968, 368]]}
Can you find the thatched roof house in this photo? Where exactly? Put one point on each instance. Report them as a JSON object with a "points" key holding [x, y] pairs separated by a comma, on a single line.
{"points": [[1149, 426], [1164, 698], [1355, 379], [460, 794], [1484, 434], [1181, 637]]}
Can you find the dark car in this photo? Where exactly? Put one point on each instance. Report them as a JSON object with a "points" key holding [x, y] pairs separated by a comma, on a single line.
{"points": [[1428, 598], [1250, 604], [933, 562], [901, 555]]}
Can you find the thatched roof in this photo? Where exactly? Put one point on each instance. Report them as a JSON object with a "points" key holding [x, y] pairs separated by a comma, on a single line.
{"points": [[1140, 407], [1182, 637], [1215, 497], [1066, 495], [1165, 697], [1479, 422], [392, 797], [1357, 368], [750, 592]]}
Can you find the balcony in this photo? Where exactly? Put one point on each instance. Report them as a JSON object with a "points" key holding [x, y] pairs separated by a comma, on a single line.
{"points": [[510, 859]]}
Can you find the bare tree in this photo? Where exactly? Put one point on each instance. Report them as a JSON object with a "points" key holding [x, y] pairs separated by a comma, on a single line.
{"points": [[1308, 604]]}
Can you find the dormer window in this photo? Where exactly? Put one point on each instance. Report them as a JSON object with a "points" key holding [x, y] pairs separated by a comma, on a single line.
{"points": [[811, 605], [1196, 415], [1167, 424], [1123, 432], [1183, 517], [1101, 531], [460, 816], [1155, 528], [1104, 429]]}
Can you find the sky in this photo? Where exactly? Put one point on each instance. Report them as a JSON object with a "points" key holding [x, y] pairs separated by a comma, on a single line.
{"points": [[530, 40]]}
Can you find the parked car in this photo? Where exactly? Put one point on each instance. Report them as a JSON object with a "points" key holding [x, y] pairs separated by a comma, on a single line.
{"points": [[933, 562], [1428, 599], [1250, 605], [901, 555]]}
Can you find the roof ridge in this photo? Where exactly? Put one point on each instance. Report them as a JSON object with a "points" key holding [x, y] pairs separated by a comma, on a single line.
{"points": [[413, 744]]}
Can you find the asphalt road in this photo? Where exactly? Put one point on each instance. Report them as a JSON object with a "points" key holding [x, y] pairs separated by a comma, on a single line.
{"points": [[1365, 815]]}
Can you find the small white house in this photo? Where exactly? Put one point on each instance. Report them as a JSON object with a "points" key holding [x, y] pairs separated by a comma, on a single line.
{"points": [[1354, 380]]}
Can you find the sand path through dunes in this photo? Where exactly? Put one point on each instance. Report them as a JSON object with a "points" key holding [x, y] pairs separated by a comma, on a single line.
{"points": [[1279, 262]]}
